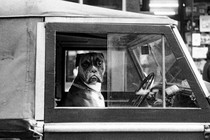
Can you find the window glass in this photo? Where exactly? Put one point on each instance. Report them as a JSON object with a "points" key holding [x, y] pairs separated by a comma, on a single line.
{"points": [[137, 73]]}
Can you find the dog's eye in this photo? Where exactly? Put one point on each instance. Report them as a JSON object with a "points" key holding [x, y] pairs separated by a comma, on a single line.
{"points": [[99, 63], [85, 64]]}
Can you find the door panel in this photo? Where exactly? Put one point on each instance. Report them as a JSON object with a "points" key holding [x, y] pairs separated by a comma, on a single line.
{"points": [[124, 136]]}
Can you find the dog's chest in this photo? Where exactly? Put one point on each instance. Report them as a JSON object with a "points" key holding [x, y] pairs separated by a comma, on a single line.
{"points": [[96, 99]]}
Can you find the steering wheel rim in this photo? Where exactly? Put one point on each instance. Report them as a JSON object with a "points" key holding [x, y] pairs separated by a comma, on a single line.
{"points": [[145, 84]]}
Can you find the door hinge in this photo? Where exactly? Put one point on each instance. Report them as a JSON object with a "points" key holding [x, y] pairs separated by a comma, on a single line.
{"points": [[207, 132]]}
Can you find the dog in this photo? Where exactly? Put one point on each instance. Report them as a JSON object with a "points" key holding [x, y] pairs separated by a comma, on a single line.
{"points": [[86, 88]]}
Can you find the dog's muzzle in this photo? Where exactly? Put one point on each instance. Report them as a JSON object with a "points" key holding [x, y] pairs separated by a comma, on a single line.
{"points": [[94, 78]]}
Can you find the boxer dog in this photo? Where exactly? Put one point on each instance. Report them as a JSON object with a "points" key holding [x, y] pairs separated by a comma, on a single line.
{"points": [[86, 88]]}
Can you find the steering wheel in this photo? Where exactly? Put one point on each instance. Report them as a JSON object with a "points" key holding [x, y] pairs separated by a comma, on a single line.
{"points": [[146, 83]]}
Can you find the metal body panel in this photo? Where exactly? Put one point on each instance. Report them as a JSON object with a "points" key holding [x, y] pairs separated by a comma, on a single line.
{"points": [[124, 136], [40, 67]]}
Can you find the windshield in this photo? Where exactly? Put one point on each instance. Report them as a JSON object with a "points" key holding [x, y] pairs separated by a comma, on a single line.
{"points": [[135, 56]]}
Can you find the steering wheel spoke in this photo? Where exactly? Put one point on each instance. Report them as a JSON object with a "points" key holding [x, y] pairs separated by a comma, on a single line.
{"points": [[145, 85]]}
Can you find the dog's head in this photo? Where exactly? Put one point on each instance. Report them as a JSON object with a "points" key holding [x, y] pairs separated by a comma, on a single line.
{"points": [[91, 67]]}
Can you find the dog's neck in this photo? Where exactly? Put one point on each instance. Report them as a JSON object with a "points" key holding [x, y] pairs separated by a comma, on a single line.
{"points": [[96, 87]]}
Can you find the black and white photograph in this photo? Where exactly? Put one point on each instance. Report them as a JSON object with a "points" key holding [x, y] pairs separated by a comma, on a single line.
{"points": [[105, 70]]}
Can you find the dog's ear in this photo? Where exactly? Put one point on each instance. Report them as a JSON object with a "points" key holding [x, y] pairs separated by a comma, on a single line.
{"points": [[78, 57]]}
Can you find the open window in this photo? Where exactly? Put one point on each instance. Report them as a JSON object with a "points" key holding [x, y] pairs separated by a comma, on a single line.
{"points": [[146, 70]]}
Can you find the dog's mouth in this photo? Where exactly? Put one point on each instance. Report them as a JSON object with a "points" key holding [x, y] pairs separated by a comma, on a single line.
{"points": [[93, 79]]}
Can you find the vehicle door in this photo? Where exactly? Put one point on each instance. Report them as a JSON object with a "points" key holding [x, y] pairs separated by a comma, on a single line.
{"points": [[151, 87]]}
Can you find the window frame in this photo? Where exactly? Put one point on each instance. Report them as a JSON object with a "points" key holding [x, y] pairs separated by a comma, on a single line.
{"points": [[52, 114]]}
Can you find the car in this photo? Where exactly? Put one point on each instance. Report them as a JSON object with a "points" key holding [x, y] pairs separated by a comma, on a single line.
{"points": [[151, 86]]}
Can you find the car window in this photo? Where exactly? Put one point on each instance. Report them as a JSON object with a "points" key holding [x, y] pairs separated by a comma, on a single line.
{"points": [[141, 70]]}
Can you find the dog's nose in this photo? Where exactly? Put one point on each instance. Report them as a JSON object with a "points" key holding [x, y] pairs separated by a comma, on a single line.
{"points": [[93, 70]]}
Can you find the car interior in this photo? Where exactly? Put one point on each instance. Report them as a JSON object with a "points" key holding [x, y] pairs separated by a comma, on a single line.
{"points": [[134, 69]]}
